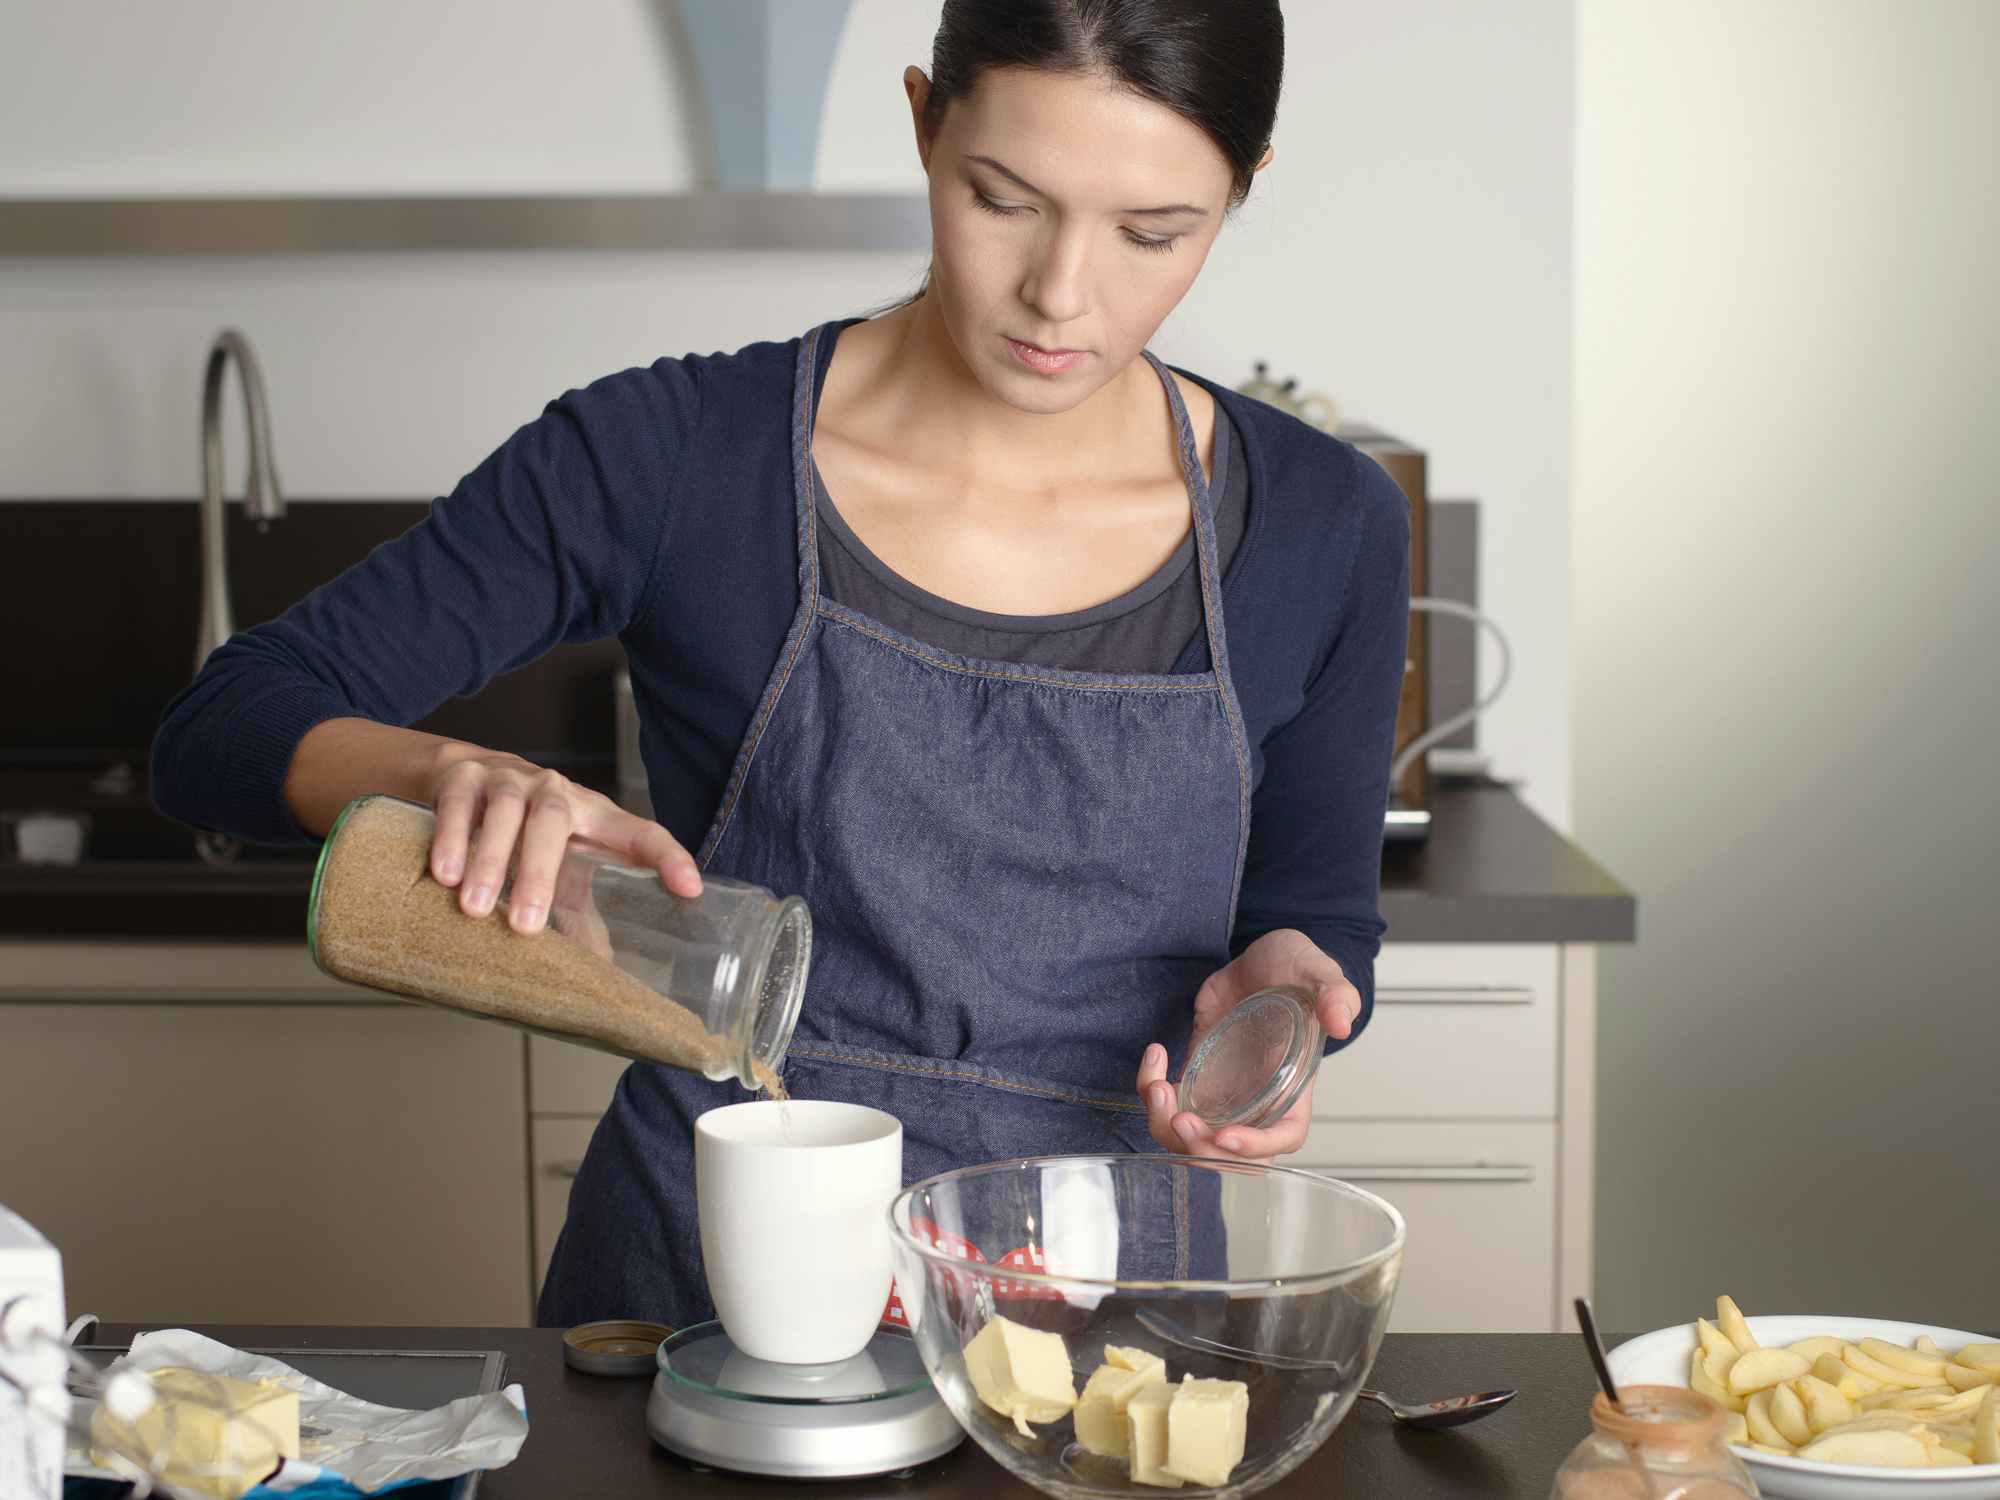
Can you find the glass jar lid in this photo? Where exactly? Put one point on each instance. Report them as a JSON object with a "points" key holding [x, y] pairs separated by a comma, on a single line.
{"points": [[1255, 1062]]}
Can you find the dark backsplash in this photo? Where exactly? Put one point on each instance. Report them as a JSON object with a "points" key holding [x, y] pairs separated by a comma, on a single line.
{"points": [[98, 600]]}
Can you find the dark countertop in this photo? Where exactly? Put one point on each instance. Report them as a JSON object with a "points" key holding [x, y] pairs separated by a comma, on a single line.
{"points": [[587, 1434], [1491, 872]]}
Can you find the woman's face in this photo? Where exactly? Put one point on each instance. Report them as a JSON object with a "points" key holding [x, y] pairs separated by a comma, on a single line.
{"points": [[1068, 217]]}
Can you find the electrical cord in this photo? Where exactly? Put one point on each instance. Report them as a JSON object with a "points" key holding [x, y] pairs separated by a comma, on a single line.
{"points": [[1458, 720]]}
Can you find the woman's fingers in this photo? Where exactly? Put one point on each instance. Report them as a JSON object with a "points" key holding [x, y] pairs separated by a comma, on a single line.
{"points": [[501, 813], [1339, 1008], [1158, 1096], [544, 836], [457, 808], [1280, 1139], [645, 843], [1176, 1129], [492, 849]]}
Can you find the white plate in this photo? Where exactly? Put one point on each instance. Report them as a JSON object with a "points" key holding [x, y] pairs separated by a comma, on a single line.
{"points": [[1661, 1358]]}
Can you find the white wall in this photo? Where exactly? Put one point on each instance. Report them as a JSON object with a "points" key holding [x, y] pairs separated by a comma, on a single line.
{"points": [[1408, 252], [1787, 592]]}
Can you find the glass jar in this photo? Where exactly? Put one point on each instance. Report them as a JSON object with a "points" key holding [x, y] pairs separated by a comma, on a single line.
{"points": [[1255, 1062], [1666, 1444], [712, 984]]}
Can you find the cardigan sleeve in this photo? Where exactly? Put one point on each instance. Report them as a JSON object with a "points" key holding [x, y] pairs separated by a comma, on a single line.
{"points": [[1315, 856]]}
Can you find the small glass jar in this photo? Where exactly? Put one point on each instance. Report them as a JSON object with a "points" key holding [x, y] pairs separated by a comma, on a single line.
{"points": [[1254, 1063], [712, 985], [1666, 1444]]}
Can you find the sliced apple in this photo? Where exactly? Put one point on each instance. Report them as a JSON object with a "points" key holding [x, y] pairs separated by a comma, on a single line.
{"points": [[1956, 1408], [1859, 1359], [1980, 1356], [1761, 1369], [1714, 1342], [1944, 1432], [1730, 1316], [1966, 1378], [1843, 1377], [1757, 1417], [1917, 1400], [1896, 1357], [1788, 1414], [1825, 1405], [1878, 1421], [1890, 1450], [1736, 1430], [1702, 1378], [1986, 1428], [1812, 1349], [1947, 1458]]}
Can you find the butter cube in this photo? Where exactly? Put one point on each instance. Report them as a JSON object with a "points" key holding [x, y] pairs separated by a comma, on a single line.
{"points": [[1136, 1360], [211, 1434], [1146, 1435], [1100, 1414], [1022, 1373], [1205, 1430]]}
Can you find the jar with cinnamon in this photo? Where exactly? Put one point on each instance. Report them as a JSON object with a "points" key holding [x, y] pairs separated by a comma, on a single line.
{"points": [[1662, 1442]]}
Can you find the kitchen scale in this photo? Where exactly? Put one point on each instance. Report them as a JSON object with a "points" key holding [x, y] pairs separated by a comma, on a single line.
{"points": [[876, 1413]]}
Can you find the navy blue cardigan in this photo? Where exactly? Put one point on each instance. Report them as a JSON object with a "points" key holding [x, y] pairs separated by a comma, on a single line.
{"points": [[657, 505]]}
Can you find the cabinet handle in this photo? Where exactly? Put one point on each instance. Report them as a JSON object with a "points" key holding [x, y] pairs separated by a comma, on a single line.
{"points": [[566, 1170], [1425, 1174], [1448, 996]]}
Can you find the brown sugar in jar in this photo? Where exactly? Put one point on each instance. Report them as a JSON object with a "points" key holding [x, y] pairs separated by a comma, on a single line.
{"points": [[711, 985]]}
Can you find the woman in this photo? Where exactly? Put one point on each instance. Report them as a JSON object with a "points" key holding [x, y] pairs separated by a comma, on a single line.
{"points": [[1062, 686]]}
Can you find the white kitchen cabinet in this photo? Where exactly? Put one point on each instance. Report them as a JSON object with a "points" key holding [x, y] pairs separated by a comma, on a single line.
{"points": [[1459, 1030], [565, 1079], [1479, 1203], [299, 1156], [1470, 1104]]}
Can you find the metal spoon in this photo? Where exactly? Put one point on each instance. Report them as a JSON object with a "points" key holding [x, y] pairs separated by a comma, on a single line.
{"points": [[1453, 1411]]}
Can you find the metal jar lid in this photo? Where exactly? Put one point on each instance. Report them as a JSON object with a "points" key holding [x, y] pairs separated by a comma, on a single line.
{"points": [[1256, 1061], [618, 1346]]}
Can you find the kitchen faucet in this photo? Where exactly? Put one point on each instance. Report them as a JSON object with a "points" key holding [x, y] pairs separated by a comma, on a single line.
{"points": [[261, 501]]}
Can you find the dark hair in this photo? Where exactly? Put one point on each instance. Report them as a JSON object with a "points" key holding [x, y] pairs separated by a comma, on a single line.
{"points": [[1216, 63]]}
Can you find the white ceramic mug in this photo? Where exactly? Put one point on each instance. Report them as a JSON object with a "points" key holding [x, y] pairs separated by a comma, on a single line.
{"points": [[794, 1201]]}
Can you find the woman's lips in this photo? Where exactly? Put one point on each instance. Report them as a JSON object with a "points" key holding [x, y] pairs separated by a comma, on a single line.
{"points": [[1046, 361]]}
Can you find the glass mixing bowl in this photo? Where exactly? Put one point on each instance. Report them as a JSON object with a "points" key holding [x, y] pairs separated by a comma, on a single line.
{"points": [[1274, 1277]]}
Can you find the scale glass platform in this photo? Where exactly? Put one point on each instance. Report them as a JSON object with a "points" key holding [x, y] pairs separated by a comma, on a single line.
{"points": [[719, 1408]]}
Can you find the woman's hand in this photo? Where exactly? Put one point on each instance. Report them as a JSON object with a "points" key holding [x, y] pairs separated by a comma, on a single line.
{"points": [[496, 812], [1286, 956]]}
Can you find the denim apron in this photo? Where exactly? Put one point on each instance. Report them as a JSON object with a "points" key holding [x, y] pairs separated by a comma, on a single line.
{"points": [[1019, 876]]}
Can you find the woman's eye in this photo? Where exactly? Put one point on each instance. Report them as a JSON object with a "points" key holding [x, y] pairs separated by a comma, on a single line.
{"points": [[1005, 211], [1156, 244]]}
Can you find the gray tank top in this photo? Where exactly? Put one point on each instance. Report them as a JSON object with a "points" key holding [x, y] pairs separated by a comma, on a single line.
{"points": [[1144, 630]]}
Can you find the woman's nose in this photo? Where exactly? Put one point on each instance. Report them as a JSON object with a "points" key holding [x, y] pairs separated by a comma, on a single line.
{"points": [[1058, 281]]}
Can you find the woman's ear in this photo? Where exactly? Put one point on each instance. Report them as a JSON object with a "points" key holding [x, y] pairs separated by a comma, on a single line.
{"points": [[918, 87], [1265, 160]]}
